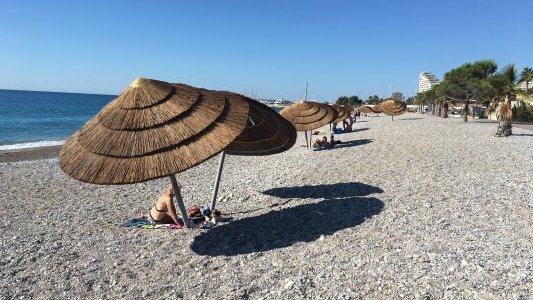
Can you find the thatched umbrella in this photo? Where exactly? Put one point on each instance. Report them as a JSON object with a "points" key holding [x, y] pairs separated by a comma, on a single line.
{"points": [[152, 130], [393, 107], [376, 108], [266, 132], [307, 115], [365, 109], [342, 113]]}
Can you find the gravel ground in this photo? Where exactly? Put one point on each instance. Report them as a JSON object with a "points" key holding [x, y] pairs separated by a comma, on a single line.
{"points": [[417, 208]]}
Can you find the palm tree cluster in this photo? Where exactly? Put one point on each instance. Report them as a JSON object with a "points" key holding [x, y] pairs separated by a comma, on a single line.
{"points": [[480, 82]]}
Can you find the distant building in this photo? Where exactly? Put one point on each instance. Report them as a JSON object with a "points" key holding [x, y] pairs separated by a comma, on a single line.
{"points": [[426, 81], [523, 86], [397, 96]]}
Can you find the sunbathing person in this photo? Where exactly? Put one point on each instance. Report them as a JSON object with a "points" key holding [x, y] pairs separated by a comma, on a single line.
{"points": [[317, 144], [164, 211], [332, 141]]}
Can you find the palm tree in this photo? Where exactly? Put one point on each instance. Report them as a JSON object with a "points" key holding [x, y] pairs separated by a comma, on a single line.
{"points": [[527, 77], [504, 91]]}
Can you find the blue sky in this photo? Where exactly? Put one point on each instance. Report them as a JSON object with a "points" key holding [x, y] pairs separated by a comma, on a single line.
{"points": [[270, 47]]}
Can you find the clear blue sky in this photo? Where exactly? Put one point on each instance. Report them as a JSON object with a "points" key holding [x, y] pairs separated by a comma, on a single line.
{"points": [[273, 47]]}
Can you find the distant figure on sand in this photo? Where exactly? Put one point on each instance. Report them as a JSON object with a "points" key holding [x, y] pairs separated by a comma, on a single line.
{"points": [[164, 211], [332, 141], [319, 144]]}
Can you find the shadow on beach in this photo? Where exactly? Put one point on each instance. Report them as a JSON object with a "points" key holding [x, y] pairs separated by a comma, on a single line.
{"points": [[327, 191], [286, 227], [352, 143], [409, 119]]}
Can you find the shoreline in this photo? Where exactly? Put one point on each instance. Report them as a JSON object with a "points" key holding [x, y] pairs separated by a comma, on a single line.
{"points": [[29, 154]]}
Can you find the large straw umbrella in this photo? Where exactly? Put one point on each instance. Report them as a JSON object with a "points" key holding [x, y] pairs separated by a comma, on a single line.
{"points": [[152, 130], [307, 115], [393, 107], [365, 109], [266, 132]]}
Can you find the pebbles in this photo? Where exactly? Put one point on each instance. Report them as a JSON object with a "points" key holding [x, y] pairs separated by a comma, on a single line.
{"points": [[417, 208]]}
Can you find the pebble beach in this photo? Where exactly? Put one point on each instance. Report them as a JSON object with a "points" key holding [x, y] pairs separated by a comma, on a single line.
{"points": [[416, 208]]}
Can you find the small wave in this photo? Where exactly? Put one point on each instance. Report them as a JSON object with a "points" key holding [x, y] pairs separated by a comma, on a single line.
{"points": [[30, 145]]}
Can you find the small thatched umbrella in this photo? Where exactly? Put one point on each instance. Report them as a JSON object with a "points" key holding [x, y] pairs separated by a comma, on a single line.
{"points": [[152, 130], [365, 109], [342, 113], [393, 107], [308, 115], [376, 108], [266, 132]]}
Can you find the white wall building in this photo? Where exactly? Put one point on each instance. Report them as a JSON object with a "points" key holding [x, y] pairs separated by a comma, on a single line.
{"points": [[426, 81], [523, 86]]}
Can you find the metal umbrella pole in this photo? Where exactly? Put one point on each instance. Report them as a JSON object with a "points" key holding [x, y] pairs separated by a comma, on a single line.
{"points": [[217, 180], [219, 174], [179, 200]]}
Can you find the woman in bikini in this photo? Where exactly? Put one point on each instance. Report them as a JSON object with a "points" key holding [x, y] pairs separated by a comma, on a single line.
{"points": [[164, 211]]}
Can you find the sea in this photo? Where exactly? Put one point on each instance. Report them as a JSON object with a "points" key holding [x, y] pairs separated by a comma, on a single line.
{"points": [[31, 119]]}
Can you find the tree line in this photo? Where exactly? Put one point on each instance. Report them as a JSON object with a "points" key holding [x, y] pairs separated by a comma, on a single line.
{"points": [[482, 83]]}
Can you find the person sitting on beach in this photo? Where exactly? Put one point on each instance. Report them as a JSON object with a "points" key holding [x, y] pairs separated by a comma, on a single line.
{"points": [[164, 211], [332, 141], [318, 144], [325, 143]]}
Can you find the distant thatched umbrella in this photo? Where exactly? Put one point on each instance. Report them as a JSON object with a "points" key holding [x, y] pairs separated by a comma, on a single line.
{"points": [[365, 109], [342, 113], [266, 132], [376, 108], [151, 130], [308, 115], [393, 107]]}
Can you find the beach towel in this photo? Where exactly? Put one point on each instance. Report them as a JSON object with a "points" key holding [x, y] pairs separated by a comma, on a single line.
{"points": [[198, 214]]}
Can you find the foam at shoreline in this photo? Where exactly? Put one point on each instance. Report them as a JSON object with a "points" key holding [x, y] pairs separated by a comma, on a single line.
{"points": [[31, 145]]}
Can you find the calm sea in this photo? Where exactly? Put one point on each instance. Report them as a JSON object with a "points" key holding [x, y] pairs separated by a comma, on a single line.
{"points": [[33, 119]]}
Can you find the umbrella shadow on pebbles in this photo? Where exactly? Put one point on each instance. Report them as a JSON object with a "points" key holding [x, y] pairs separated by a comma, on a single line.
{"points": [[327, 191], [286, 227], [352, 143]]}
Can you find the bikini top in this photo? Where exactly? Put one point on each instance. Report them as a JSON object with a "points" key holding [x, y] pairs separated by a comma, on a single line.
{"points": [[159, 210]]}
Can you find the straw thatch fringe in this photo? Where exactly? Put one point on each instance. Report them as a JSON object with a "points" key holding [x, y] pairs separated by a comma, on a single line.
{"points": [[299, 115], [342, 113], [393, 107], [376, 108], [365, 109], [98, 154]]}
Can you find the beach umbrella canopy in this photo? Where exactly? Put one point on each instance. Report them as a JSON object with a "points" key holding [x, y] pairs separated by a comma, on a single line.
{"points": [[308, 115], [266, 131], [365, 109], [393, 107], [151, 130], [342, 113], [376, 109]]}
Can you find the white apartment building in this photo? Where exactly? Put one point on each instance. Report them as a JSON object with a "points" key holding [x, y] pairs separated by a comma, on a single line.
{"points": [[523, 86], [426, 81]]}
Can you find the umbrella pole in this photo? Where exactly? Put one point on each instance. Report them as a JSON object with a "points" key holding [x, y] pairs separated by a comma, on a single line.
{"points": [[179, 199], [306, 142], [217, 180]]}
